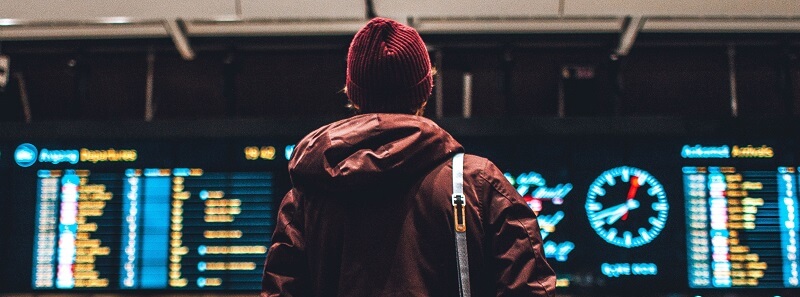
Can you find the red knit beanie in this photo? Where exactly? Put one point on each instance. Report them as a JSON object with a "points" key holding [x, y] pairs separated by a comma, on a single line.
{"points": [[388, 68]]}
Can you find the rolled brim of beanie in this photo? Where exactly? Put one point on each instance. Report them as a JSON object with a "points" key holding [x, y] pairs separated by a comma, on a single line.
{"points": [[390, 100]]}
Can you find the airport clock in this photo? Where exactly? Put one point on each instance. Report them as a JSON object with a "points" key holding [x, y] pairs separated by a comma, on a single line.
{"points": [[627, 206]]}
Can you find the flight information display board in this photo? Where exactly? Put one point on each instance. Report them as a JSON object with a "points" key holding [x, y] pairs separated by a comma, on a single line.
{"points": [[741, 224], [104, 219], [619, 215], [654, 215], [152, 229]]}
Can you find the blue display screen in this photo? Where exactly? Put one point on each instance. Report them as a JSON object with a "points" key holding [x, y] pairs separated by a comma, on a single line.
{"points": [[741, 227], [147, 216]]}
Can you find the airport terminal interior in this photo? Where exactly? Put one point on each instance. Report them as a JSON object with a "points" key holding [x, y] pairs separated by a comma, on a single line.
{"points": [[144, 144]]}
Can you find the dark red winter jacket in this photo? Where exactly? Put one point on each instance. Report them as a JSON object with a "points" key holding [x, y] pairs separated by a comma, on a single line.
{"points": [[370, 215]]}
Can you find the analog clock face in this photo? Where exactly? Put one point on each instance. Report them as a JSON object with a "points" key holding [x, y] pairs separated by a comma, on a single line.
{"points": [[627, 206]]}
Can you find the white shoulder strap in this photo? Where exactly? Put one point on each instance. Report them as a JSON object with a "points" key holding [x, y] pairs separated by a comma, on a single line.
{"points": [[459, 215]]}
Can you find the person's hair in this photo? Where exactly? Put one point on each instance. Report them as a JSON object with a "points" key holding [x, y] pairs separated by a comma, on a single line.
{"points": [[418, 111]]}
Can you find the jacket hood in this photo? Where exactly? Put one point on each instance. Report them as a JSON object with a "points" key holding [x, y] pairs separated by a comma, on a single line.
{"points": [[367, 151]]}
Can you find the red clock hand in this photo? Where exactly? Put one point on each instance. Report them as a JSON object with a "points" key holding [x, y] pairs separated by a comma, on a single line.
{"points": [[632, 192]]}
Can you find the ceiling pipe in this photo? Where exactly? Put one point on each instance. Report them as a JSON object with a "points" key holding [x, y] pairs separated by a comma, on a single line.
{"points": [[629, 32], [177, 31]]}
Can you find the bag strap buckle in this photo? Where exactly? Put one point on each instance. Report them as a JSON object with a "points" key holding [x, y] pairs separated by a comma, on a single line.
{"points": [[459, 212]]}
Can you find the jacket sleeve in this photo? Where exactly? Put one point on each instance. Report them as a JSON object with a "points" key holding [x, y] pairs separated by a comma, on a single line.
{"points": [[285, 270], [516, 243]]}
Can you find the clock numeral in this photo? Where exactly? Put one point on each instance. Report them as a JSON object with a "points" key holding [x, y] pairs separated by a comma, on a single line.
{"points": [[611, 234], [598, 223], [655, 190], [626, 174], [644, 234], [610, 179], [656, 222], [660, 206], [628, 238], [643, 177], [594, 206], [599, 191]]}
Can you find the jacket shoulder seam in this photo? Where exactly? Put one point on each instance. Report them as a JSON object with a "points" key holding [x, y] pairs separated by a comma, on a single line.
{"points": [[494, 186], [479, 188]]}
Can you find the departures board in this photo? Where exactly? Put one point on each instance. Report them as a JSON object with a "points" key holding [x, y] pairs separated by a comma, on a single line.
{"points": [[620, 215], [142, 215]]}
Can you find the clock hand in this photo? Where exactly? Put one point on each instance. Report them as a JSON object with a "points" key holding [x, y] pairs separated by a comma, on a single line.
{"points": [[622, 211], [611, 211], [632, 192], [614, 218]]}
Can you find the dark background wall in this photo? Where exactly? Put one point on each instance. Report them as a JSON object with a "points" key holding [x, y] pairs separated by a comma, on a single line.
{"points": [[684, 75]]}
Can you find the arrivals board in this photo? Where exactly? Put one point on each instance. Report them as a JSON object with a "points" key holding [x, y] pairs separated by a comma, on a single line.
{"points": [[655, 215]]}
